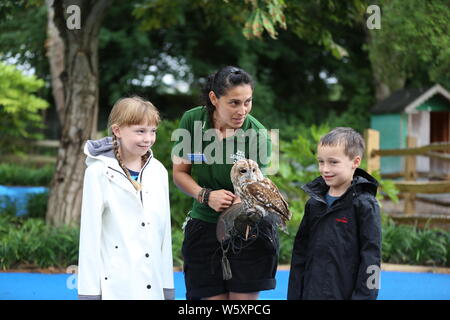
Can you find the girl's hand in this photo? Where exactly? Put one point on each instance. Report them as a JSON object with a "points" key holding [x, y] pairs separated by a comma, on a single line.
{"points": [[220, 200]]}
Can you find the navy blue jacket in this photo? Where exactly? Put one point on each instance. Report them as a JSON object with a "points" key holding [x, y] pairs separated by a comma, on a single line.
{"points": [[337, 250]]}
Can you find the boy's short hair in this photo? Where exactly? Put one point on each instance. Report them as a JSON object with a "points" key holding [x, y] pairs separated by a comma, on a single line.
{"points": [[351, 140]]}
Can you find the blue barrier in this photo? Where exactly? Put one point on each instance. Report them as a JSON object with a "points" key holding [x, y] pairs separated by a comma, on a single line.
{"points": [[19, 196], [394, 286]]}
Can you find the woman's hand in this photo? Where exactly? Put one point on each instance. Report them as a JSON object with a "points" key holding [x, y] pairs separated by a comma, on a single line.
{"points": [[237, 199], [220, 200]]}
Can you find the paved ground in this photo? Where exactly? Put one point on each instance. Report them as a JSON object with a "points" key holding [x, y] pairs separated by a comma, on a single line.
{"points": [[394, 286]]}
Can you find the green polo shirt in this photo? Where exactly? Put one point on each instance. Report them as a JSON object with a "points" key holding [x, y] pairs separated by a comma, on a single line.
{"points": [[211, 158]]}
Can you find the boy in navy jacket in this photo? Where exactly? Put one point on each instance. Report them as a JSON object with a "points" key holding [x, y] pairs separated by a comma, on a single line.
{"points": [[337, 249]]}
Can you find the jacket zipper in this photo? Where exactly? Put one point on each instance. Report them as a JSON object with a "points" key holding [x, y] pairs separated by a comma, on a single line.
{"points": [[140, 177], [128, 181]]}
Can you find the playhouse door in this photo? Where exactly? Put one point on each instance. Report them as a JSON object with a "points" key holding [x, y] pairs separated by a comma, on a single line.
{"points": [[439, 132]]}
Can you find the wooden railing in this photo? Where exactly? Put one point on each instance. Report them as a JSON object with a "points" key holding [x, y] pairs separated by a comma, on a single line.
{"points": [[410, 187]]}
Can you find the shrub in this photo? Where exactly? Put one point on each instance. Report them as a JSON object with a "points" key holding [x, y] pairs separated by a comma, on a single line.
{"points": [[30, 241], [20, 108], [22, 175], [409, 245]]}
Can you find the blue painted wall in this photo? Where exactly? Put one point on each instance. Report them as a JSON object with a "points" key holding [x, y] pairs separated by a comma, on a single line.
{"points": [[393, 130]]}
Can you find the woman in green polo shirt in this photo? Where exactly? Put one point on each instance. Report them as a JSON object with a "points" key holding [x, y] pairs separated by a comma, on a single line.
{"points": [[210, 139]]}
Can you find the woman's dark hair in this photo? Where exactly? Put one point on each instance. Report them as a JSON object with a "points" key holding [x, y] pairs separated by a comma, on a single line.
{"points": [[222, 80]]}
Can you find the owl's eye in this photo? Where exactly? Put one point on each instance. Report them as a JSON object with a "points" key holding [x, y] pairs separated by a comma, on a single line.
{"points": [[254, 170], [243, 171]]}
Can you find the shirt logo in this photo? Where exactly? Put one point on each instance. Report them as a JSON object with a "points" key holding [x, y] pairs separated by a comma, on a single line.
{"points": [[343, 219]]}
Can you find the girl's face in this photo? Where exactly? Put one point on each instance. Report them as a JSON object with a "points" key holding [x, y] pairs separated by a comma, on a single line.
{"points": [[233, 107], [135, 140], [336, 168]]}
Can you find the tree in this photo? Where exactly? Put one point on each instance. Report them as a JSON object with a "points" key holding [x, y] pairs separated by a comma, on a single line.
{"points": [[79, 78], [412, 45], [20, 108]]}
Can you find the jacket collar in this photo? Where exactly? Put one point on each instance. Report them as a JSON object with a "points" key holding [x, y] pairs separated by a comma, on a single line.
{"points": [[102, 150], [362, 181]]}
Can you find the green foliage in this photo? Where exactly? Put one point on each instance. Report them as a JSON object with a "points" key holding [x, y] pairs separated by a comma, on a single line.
{"points": [[37, 205], [32, 242], [357, 115], [177, 242], [255, 16], [23, 175], [413, 41], [409, 245], [19, 107], [9, 7], [265, 15]]}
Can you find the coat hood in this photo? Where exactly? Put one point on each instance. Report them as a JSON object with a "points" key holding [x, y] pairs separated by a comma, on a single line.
{"points": [[362, 181], [102, 146], [101, 149]]}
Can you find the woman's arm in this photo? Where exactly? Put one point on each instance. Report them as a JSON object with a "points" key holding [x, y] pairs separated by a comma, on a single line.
{"points": [[183, 179], [219, 200]]}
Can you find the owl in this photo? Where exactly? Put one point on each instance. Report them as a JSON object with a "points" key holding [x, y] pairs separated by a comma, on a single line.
{"points": [[259, 195]]}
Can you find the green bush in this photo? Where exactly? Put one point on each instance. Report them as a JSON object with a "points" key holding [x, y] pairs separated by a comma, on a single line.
{"points": [[20, 108], [406, 244], [21, 175], [37, 205], [177, 241], [29, 241]]}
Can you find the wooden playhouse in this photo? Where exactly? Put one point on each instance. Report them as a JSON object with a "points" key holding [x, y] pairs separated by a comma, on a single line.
{"points": [[423, 114]]}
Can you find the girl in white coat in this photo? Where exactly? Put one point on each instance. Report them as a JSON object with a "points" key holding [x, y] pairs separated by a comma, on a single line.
{"points": [[125, 235]]}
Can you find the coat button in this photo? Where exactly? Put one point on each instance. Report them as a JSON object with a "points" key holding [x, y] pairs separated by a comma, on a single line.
{"points": [[149, 286]]}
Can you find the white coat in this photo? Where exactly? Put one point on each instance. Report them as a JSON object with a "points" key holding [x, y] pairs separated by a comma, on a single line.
{"points": [[125, 235]]}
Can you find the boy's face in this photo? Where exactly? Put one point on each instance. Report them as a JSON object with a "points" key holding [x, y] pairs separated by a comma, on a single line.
{"points": [[336, 168]]}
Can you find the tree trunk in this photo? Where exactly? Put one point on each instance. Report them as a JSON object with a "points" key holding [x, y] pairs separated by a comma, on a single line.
{"points": [[80, 82], [55, 54]]}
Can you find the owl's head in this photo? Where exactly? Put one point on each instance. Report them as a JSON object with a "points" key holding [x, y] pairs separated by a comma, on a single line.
{"points": [[245, 170]]}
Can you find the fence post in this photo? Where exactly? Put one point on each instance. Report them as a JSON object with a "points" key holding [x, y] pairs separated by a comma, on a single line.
{"points": [[410, 175], [372, 141]]}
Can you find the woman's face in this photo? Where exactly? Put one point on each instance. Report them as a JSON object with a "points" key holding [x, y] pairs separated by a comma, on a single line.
{"points": [[233, 107]]}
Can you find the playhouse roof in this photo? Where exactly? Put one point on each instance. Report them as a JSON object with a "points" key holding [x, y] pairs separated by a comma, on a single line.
{"points": [[407, 100]]}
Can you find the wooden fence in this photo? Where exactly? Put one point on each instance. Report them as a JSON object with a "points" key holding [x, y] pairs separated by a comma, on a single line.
{"points": [[409, 187]]}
